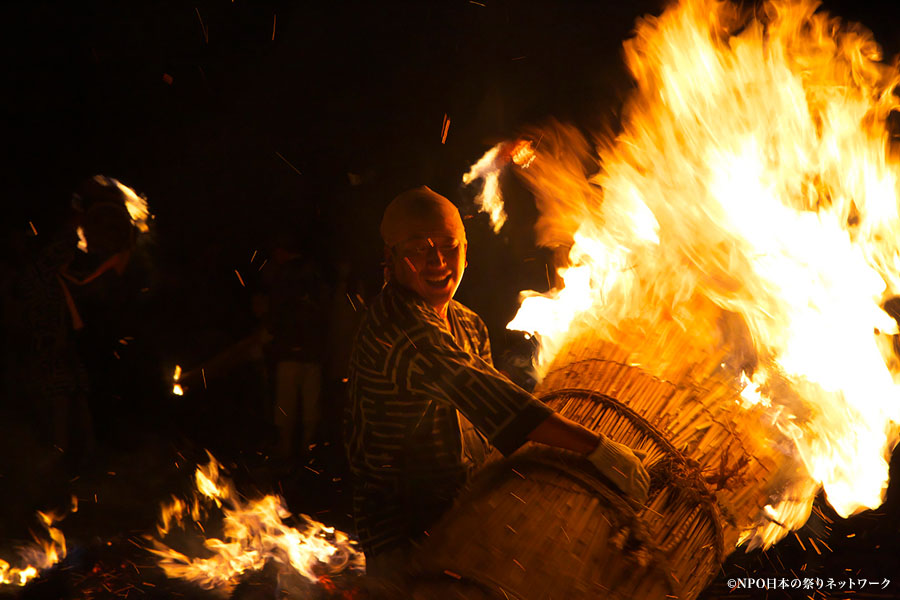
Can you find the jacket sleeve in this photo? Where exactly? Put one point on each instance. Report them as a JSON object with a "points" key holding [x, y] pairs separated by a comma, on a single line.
{"points": [[439, 368]]}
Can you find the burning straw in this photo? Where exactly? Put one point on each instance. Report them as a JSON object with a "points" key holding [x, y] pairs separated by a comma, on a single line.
{"points": [[254, 534], [305, 557], [47, 550], [740, 232]]}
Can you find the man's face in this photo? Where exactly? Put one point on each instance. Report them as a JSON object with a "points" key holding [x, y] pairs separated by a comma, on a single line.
{"points": [[431, 264]]}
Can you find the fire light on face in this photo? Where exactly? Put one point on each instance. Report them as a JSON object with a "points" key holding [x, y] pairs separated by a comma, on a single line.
{"points": [[752, 182]]}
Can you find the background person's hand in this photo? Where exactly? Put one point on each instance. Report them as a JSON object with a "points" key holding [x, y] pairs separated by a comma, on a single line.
{"points": [[622, 466]]}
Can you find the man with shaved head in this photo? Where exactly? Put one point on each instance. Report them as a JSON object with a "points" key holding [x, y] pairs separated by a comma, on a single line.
{"points": [[426, 404]]}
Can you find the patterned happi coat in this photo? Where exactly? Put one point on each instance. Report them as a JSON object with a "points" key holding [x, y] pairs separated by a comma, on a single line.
{"points": [[417, 386]]}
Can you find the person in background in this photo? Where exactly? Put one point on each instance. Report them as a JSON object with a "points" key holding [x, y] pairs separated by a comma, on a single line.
{"points": [[426, 404], [51, 380], [346, 308], [292, 311], [73, 299], [106, 286]]}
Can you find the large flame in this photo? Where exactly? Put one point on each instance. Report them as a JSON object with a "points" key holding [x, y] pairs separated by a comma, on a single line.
{"points": [[254, 534], [752, 182]]}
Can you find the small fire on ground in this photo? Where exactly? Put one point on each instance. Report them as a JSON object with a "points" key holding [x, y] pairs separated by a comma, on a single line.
{"points": [[46, 550], [254, 535]]}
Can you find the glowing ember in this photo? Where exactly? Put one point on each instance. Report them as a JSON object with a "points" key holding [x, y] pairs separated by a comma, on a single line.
{"points": [[752, 181], [42, 554], [254, 534], [82, 241], [176, 387], [522, 153]]}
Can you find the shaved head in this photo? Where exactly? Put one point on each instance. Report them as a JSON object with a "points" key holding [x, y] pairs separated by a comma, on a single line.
{"points": [[420, 213], [425, 245]]}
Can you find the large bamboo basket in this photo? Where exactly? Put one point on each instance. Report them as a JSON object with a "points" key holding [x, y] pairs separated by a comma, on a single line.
{"points": [[725, 447], [543, 524]]}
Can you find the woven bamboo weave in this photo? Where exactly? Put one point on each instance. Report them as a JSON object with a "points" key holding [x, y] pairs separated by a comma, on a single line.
{"points": [[544, 524]]}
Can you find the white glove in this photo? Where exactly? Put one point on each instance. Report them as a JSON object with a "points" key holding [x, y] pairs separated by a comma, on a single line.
{"points": [[622, 466]]}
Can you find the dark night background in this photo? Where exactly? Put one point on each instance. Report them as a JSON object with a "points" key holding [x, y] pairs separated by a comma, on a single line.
{"points": [[238, 140]]}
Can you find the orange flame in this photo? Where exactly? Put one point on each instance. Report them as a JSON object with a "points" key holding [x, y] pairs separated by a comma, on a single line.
{"points": [[176, 386], [752, 179], [522, 153], [42, 554], [254, 534], [82, 241], [136, 205], [490, 200], [488, 169]]}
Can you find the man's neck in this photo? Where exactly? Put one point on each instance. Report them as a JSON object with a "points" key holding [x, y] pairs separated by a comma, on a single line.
{"points": [[444, 311]]}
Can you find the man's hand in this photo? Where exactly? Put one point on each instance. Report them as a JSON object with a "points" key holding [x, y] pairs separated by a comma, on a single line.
{"points": [[618, 462], [622, 466]]}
